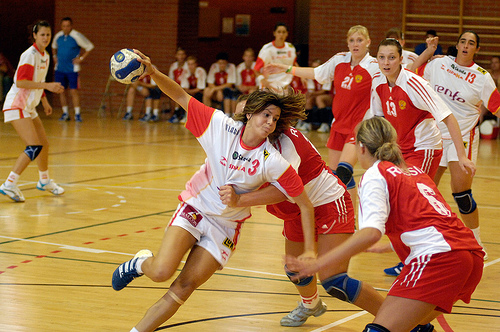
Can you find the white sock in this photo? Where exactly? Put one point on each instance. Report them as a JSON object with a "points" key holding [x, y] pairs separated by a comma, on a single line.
{"points": [[12, 179], [65, 109], [77, 110], [44, 176], [139, 264], [134, 330], [148, 110], [156, 111], [477, 235], [129, 109], [310, 302]]}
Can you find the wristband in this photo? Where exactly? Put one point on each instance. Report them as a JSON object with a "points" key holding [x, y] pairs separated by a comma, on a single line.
{"points": [[289, 69], [293, 71]]}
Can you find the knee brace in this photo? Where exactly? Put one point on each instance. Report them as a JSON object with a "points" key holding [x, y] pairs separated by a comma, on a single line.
{"points": [[344, 172], [375, 328], [423, 328], [299, 282], [175, 297], [342, 287], [465, 201], [32, 151]]}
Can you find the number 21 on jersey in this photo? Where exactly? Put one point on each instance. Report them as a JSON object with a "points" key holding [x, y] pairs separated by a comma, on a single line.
{"points": [[347, 82]]}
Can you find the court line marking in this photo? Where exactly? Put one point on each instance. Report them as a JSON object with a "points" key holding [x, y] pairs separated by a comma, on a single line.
{"points": [[341, 321]]}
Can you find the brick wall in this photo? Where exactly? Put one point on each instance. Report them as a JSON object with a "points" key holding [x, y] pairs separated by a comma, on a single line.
{"points": [[148, 25]]}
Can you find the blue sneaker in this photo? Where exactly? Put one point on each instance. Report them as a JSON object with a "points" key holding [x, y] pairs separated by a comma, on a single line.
{"points": [[424, 328], [78, 118], [126, 272], [154, 118], [128, 116], [395, 270], [64, 117], [174, 119], [145, 118]]}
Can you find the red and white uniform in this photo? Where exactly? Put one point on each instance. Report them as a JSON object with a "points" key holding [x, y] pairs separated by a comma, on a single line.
{"points": [[424, 232], [286, 55], [198, 80], [33, 66], [352, 89], [175, 71], [413, 108], [313, 85], [246, 76], [218, 77], [462, 89], [334, 212], [230, 161]]}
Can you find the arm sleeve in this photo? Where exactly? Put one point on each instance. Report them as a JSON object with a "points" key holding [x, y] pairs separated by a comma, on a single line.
{"points": [[490, 95], [83, 41], [374, 207]]}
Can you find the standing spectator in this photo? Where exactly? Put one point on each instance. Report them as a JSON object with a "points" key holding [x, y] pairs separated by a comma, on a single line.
{"points": [[194, 80], [6, 76], [421, 47], [67, 47], [220, 82], [277, 51], [20, 110]]}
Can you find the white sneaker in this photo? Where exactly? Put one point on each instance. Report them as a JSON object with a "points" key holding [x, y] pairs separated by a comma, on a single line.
{"points": [[51, 187], [13, 192], [299, 315], [324, 128]]}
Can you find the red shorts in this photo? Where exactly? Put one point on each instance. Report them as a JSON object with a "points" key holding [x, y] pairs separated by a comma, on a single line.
{"points": [[337, 140], [336, 217], [440, 279], [427, 160]]}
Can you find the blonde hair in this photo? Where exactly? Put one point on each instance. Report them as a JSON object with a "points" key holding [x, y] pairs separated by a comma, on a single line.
{"points": [[291, 104], [358, 28], [380, 138]]}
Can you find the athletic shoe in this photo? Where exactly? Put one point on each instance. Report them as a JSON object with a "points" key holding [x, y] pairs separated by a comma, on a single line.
{"points": [[324, 128], [183, 119], [128, 116], [51, 187], [64, 117], [299, 315], [174, 119], [154, 118], [13, 192], [78, 118], [395, 270], [423, 328], [126, 272], [145, 118]]}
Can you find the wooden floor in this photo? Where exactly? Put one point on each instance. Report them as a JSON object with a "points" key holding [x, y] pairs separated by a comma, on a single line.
{"points": [[122, 179]]}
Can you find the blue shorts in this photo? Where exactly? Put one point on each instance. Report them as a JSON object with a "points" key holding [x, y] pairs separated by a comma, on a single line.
{"points": [[154, 93], [67, 79]]}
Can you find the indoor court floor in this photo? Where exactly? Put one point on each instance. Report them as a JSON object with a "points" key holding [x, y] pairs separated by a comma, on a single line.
{"points": [[57, 254]]}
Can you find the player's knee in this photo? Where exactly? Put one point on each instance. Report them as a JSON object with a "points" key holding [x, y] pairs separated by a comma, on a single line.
{"points": [[298, 282], [344, 172], [375, 328], [465, 201], [343, 287], [32, 151]]}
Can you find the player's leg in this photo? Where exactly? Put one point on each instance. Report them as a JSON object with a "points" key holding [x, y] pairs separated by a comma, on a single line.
{"points": [[439, 174], [345, 170], [200, 266]]}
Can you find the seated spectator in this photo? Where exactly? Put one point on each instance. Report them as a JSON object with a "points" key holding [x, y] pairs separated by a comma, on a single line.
{"points": [[318, 105], [194, 82], [220, 82], [408, 57], [246, 78], [421, 47], [176, 70], [152, 94], [495, 69], [7, 72]]}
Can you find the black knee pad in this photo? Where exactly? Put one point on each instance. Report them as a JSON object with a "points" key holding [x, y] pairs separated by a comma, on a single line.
{"points": [[344, 172], [32, 151], [465, 201]]}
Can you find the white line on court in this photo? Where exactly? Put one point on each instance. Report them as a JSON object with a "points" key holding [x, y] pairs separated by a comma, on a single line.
{"points": [[341, 321]]}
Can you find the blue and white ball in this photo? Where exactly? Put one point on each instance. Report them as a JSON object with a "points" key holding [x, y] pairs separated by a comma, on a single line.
{"points": [[124, 66]]}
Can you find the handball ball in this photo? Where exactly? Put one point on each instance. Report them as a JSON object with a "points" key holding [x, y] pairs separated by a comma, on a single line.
{"points": [[124, 66], [486, 128]]}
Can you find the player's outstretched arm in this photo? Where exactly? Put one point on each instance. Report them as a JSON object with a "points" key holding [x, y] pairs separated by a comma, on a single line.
{"points": [[165, 83]]}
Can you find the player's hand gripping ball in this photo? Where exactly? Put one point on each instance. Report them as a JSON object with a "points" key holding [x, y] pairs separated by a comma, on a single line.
{"points": [[124, 66]]}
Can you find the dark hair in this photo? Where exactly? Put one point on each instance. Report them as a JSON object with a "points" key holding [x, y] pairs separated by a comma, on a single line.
{"points": [[431, 32], [380, 138], [391, 42], [470, 31], [38, 24], [222, 56], [67, 18], [452, 50], [394, 32], [280, 24], [291, 104]]}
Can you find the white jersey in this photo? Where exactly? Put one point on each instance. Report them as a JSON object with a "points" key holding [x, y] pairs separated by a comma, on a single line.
{"points": [[197, 80], [33, 66], [313, 85], [230, 161], [271, 54], [463, 89], [412, 107], [175, 71], [214, 71], [409, 57]]}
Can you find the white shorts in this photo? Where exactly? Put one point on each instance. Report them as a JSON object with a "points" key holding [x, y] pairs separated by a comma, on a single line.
{"points": [[220, 241], [471, 144], [17, 114]]}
